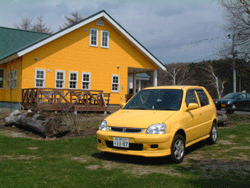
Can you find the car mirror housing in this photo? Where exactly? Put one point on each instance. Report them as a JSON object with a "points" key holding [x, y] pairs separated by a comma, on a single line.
{"points": [[192, 106], [122, 104]]}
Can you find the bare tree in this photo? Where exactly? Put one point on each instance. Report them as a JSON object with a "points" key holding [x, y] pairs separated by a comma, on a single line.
{"points": [[74, 18], [25, 24], [178, 73], [237, 23], [40, 26], [215, 80]]}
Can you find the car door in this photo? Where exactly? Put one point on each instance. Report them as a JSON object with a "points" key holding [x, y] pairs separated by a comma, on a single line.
{"points": [[192, 117], [205, 111]]}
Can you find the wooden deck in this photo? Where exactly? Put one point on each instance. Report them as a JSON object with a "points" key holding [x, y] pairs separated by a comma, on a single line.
{"points": [[66, 99]]}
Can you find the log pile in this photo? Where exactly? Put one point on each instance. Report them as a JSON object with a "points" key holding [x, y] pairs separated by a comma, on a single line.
{"points": [[38, 123]]}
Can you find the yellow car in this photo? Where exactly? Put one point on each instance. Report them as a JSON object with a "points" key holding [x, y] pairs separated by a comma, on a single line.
{"points": [[160, 121]]}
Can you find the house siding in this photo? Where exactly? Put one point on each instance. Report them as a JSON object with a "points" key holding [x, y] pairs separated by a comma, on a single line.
{"points": [[72, 52], [16, 93]]}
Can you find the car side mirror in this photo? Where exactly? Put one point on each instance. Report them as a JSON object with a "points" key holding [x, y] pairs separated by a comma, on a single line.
{"points": [[192, 106], [122, 104]]}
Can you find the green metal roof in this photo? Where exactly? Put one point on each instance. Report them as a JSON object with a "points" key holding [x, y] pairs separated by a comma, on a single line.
{"points": [[15, 40]]}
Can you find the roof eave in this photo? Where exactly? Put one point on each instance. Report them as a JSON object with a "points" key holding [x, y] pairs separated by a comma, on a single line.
{"points": [[9, 58], [86, 21]]}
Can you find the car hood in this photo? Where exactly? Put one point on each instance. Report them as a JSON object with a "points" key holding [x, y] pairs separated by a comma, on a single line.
{"points": [[224, 101], [138, 118]]}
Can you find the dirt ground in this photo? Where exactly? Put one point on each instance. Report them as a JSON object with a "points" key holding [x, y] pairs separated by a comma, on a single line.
{"points": [[92, 120]]}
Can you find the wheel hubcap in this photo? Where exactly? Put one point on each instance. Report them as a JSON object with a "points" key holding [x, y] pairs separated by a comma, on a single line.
{"points": [[214, 133], [178, 149]]}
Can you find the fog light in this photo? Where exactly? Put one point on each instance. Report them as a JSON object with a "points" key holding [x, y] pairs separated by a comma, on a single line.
{"points": [[154, 146]]}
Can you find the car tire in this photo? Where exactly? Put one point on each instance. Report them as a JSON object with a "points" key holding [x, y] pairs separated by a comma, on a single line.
{"points": [[178, 149], [213, 135]]}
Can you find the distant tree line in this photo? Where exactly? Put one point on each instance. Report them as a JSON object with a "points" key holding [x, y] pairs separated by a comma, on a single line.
{"points": [[216, 76]]}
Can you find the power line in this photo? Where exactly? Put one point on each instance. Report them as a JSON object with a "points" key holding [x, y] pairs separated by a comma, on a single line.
{"points": [[189, 43]]}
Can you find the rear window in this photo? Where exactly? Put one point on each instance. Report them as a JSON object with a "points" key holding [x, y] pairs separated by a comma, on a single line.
{"points": [[202, 97]]}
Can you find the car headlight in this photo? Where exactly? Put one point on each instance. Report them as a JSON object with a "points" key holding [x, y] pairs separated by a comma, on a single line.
{"points": [[103, 126], [229, 102], [159, 128]]}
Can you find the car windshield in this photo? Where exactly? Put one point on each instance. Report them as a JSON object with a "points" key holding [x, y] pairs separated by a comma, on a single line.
{"points": [[232, 96], [156, 99]]}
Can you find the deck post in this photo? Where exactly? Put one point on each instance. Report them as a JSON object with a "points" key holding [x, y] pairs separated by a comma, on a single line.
{"points": [[155, 78]]}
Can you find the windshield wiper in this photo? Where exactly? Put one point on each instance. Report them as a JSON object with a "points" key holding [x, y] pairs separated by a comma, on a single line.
{"points": [[138, 108]]}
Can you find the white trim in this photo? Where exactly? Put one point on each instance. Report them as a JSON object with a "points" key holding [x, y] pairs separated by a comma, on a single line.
{"points": [[115, 91], [44, 79], [89, 82], [59, 71], [103, 31], [134, 41], [11, 78], [70, 72], [90, 37], [14, 79], [3, 78], [56, 36], [110, 20]]}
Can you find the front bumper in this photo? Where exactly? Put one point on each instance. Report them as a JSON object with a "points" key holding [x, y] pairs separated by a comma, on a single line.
{"points": [[141, 144]]}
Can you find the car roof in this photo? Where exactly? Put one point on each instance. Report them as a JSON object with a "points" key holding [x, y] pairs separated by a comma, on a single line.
{"points": [[182, 87]]}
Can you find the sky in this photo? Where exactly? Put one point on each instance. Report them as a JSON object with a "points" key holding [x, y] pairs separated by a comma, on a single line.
{"points": [[172, 30]]}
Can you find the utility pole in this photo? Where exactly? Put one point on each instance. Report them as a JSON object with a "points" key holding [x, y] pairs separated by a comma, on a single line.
{"points": [[234, 55]]}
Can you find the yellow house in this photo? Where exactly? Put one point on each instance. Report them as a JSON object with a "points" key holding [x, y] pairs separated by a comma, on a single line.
{"points": [[96, 53]]}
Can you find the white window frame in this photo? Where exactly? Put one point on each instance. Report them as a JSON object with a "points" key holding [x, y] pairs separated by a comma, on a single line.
{"points": [[3, 78], [60, 71], [12, 79], [115, 91], [44, 71], [90, 37], [103, 31], [74, 72], [89, 82]]}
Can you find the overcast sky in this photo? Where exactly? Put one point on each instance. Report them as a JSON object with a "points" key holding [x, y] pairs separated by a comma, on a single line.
{"points": [[172, 30]]}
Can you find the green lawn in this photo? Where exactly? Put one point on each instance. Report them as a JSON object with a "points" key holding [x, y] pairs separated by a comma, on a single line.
{"points": [[77, 163]]}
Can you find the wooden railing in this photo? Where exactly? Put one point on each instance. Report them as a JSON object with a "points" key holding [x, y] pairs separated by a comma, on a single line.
{"points": [[55, 97]]}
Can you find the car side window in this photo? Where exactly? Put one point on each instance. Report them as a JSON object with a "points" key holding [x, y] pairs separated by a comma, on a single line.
{"points": [[191, 97], [202, 97]]}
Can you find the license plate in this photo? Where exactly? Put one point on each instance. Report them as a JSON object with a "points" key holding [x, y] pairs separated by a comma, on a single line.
{"points": [[120, 142], [223, 105]]}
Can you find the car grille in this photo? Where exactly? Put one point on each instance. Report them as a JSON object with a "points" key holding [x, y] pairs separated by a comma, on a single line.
{"points": [[125, 130], [136, 147]]}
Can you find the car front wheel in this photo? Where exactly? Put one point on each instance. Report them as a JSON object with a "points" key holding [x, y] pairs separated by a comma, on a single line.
{"points": [[213, 135], [178, 149]]}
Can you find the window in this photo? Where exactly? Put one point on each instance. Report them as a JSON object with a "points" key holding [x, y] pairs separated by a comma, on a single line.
{"points": [[12, 79], [60, 79], [93, 37], [191, 97], [86, 77], [105, 39], [73, 80], [203, 97], [40, 78], [115, 83], [2, 78]]}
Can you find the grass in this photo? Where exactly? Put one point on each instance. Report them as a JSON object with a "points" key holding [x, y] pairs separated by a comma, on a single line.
{"points": [[76, 162]]}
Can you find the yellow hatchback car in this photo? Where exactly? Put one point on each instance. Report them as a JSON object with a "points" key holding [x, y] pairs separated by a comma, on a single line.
{"points": [[160, 121]]}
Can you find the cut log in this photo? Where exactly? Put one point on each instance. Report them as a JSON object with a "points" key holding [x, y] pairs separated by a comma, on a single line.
{"points": [[38, 123]]}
